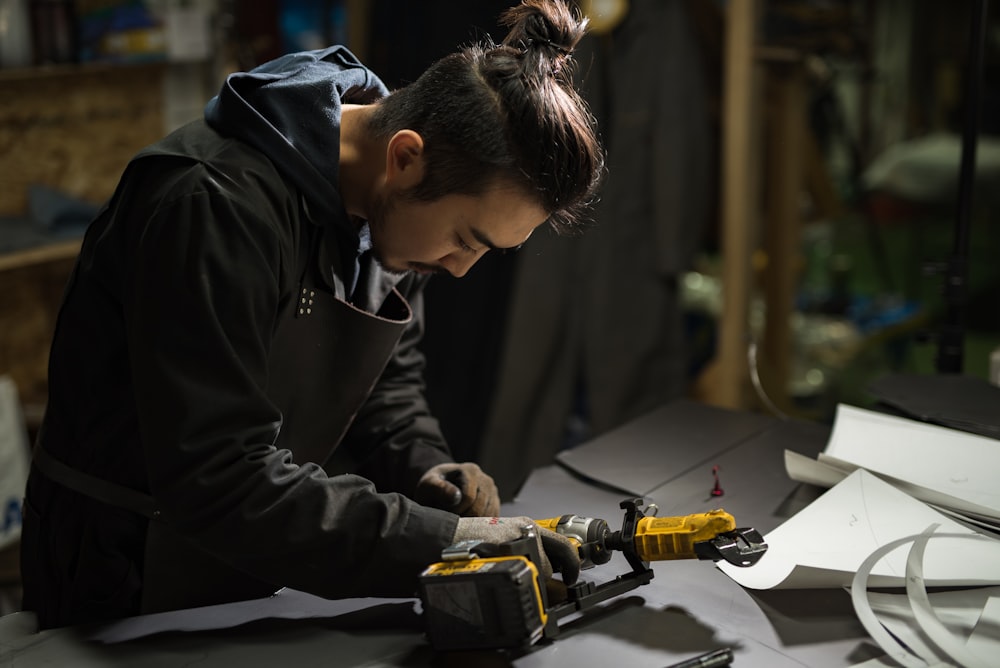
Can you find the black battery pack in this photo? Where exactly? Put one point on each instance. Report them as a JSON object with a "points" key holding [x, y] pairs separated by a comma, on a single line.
{"points": [[482, 603]]}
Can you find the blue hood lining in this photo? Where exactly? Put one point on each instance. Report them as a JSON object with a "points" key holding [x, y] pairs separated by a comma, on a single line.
{"points": [[289, 109]]}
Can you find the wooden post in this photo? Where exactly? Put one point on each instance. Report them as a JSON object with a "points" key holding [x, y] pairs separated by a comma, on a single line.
{"points": [[358, 27], [786, 149], [727, 381]]}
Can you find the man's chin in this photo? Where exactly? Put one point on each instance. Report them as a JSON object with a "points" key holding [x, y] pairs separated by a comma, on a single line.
{"points": [[411, 268], [392, 269], [395, 271]]}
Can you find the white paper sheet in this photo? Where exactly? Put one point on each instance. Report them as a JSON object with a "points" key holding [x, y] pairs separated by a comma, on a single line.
{"points": [[954, 463], [812, 471], [823, 545], [827, 471]]}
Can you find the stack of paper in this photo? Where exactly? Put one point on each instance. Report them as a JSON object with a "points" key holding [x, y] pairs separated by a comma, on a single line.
{"points": [[891, 478], [912, 505], [954, 471]]}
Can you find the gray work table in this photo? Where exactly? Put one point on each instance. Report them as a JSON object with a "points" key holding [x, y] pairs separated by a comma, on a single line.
{"points": [[690, 607]]}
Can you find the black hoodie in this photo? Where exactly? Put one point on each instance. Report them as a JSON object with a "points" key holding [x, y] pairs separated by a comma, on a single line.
{"points": [[205, 355]]}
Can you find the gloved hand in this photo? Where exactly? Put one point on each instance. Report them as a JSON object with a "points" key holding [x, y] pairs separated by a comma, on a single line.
{"points": [[464, 489], [558, 553]]}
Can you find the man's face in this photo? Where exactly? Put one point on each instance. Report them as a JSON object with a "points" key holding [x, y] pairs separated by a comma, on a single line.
{"points": [[450, 234]]}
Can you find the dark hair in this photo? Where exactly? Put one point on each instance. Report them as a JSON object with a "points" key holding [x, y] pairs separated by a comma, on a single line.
{"points": [[506, 112]]}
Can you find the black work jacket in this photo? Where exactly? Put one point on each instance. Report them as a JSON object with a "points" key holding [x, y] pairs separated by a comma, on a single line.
{"points": [[207, 354]]}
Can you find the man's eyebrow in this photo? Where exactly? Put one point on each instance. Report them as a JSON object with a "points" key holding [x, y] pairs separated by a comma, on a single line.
{"points": [[481, 237]]}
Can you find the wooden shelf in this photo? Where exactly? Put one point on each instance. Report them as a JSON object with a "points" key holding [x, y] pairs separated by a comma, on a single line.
{"points": [[63, 70], [29, 257]]}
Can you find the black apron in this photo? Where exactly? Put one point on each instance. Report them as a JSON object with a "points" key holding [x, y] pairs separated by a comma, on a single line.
{"points": [[319, 380]]}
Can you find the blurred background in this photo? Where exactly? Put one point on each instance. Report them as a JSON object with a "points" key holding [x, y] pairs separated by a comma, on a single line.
{"points": [[777, 229]]}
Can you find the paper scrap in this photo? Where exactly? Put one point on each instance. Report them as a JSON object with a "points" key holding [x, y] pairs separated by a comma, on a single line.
{"points": [[959, 610], [929, 636], [985, 639]]}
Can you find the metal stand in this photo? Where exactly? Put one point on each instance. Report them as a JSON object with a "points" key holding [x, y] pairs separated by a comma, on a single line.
{"points": [[952, 333]]}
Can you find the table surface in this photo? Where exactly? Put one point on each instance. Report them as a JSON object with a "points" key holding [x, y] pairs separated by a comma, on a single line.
{"points": [[690, 607]]}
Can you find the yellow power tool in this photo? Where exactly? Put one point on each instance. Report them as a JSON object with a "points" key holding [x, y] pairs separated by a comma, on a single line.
{"points": [[484, 595]]}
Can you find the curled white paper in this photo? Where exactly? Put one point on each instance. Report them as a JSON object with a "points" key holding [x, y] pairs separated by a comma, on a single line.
{"points": [[919, 603], [867, 617], [923, 612]]}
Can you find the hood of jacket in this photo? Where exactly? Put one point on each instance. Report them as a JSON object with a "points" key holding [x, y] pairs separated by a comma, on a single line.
{"points": [[289, 109]]}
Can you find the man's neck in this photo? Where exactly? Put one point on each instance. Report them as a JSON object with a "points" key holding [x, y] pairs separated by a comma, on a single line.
{"points": [[362, 160]]}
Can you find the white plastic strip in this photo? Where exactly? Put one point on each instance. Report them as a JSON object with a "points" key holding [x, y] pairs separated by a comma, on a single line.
{"points": [[934, 630], [863, 608], [948, 642], [984, 640], [959, 609]]}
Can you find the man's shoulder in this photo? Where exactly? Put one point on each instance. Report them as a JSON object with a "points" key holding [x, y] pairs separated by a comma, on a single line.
{"points": [[198, 143], [195, 157]]}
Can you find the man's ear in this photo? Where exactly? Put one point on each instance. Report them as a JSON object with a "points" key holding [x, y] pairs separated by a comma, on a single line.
{"points": [[404, 160]]}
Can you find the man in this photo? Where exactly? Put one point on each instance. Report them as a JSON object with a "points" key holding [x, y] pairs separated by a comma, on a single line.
{"points": [[235, 399]]}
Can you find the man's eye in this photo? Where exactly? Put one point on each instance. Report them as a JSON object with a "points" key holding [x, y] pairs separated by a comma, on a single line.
{"points": [[464, 246]]}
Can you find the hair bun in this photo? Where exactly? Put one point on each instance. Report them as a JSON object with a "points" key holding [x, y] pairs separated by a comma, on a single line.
{"points": [[543, 41], [551, 28]]}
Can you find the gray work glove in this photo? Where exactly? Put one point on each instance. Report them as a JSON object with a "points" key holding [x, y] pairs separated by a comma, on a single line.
{"points": [[558, 553], [463, 489]]}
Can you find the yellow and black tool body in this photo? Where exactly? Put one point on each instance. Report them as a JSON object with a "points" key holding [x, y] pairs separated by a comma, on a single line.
{"points": [[711, 535], [484, 595]]}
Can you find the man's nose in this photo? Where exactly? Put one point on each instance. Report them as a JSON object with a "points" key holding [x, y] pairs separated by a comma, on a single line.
{"points": [[459, 264]]}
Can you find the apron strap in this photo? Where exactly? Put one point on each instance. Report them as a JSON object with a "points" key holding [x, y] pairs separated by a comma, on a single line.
{"points": [[102, 490]]}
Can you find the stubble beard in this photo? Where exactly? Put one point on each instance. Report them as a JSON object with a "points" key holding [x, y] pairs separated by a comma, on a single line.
{"points": [[376, 226]]}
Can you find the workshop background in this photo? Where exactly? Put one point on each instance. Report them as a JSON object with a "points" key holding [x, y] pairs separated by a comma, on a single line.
{"points": [[773, 234]]}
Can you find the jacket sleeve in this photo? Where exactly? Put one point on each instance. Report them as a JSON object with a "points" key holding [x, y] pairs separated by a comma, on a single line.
{"points": [[200, 313], [394, 437]]}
